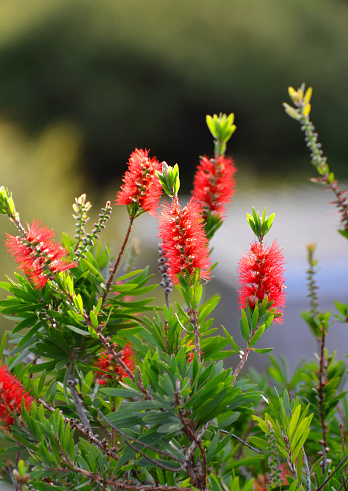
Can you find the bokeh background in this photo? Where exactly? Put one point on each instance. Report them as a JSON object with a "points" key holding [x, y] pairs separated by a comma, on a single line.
{"points": [[84, 83]]}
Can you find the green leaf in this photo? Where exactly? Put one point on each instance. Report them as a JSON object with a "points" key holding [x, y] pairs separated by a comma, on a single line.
{"points": [[3, 344], [262, 350], [262, 424], [170, 427], [207, 308], [301, 429], [212, 446], [258, 442], [255, 337], [231, 341], [244, 326], [294, 421], [255, 317], [299, 446], [25, 323], [94, 319], [79, 331], [215, 486]]}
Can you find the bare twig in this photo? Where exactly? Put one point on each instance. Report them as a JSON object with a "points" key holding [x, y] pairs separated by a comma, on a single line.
{"points": [[197, 474], [119, 484], [117, 262], [75, 423], [242, 441], [72, 382], [244, 358], [322, 485]]}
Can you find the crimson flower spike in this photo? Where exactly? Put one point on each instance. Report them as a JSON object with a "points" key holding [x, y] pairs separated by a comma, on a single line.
{"points": [[214, 183], [261, 270], [142, 189], [184, 243], [12, 393], [140, 192], [37, 255], [106, 363]]}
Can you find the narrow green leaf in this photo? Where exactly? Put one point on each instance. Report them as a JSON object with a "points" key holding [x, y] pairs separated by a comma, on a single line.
{"points": [[94, 319], [215, 486], [294, 421], [300, 430], [3, 344], [255, 317], [262, 350], [299, 446], [79, 331], [262, 424], [231, 340], [244, 326], [257, 336], [212, 446]]}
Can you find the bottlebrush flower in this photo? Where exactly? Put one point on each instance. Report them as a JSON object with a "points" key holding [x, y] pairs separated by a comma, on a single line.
{"points": [[184, 244], [213, 184], [141, 184], [261, 274], [12, 393], [108, 364], [37, 255]]}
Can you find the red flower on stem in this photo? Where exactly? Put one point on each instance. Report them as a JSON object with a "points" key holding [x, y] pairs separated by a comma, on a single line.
{"points": [[141, 184], [261, 274], [184, 243], [12, 393], [213, 184], [107, 363], [37, 255]]}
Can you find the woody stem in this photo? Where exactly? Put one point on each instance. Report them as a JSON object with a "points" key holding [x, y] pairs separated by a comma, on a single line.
{"points": [[114, 269]]}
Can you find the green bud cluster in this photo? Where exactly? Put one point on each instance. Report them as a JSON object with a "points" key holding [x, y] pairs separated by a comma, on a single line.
{"points": [[169, 179], [222, 128], [7, 207], [89, 239], [81, 208], [260, 225], [301, 99]]}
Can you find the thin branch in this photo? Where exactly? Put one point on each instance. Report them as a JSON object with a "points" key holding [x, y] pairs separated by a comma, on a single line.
{"points": [[113, 271], [308, 473], [192, 448], [119, 485], [146, 445], [242, 441], [322, 485], [241, 363], [75, 423], [154, 461], [197, 475], [72, 382]]}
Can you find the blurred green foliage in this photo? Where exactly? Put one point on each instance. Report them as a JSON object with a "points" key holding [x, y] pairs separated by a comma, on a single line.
{"points": [[144, 74]]}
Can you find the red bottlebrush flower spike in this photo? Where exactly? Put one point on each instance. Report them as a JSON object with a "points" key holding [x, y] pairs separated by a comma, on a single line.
{"points": [[12, 393], [213, 184], [261, 274], [141, 184], [37, 255], [184, 243], [108, 364]]}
